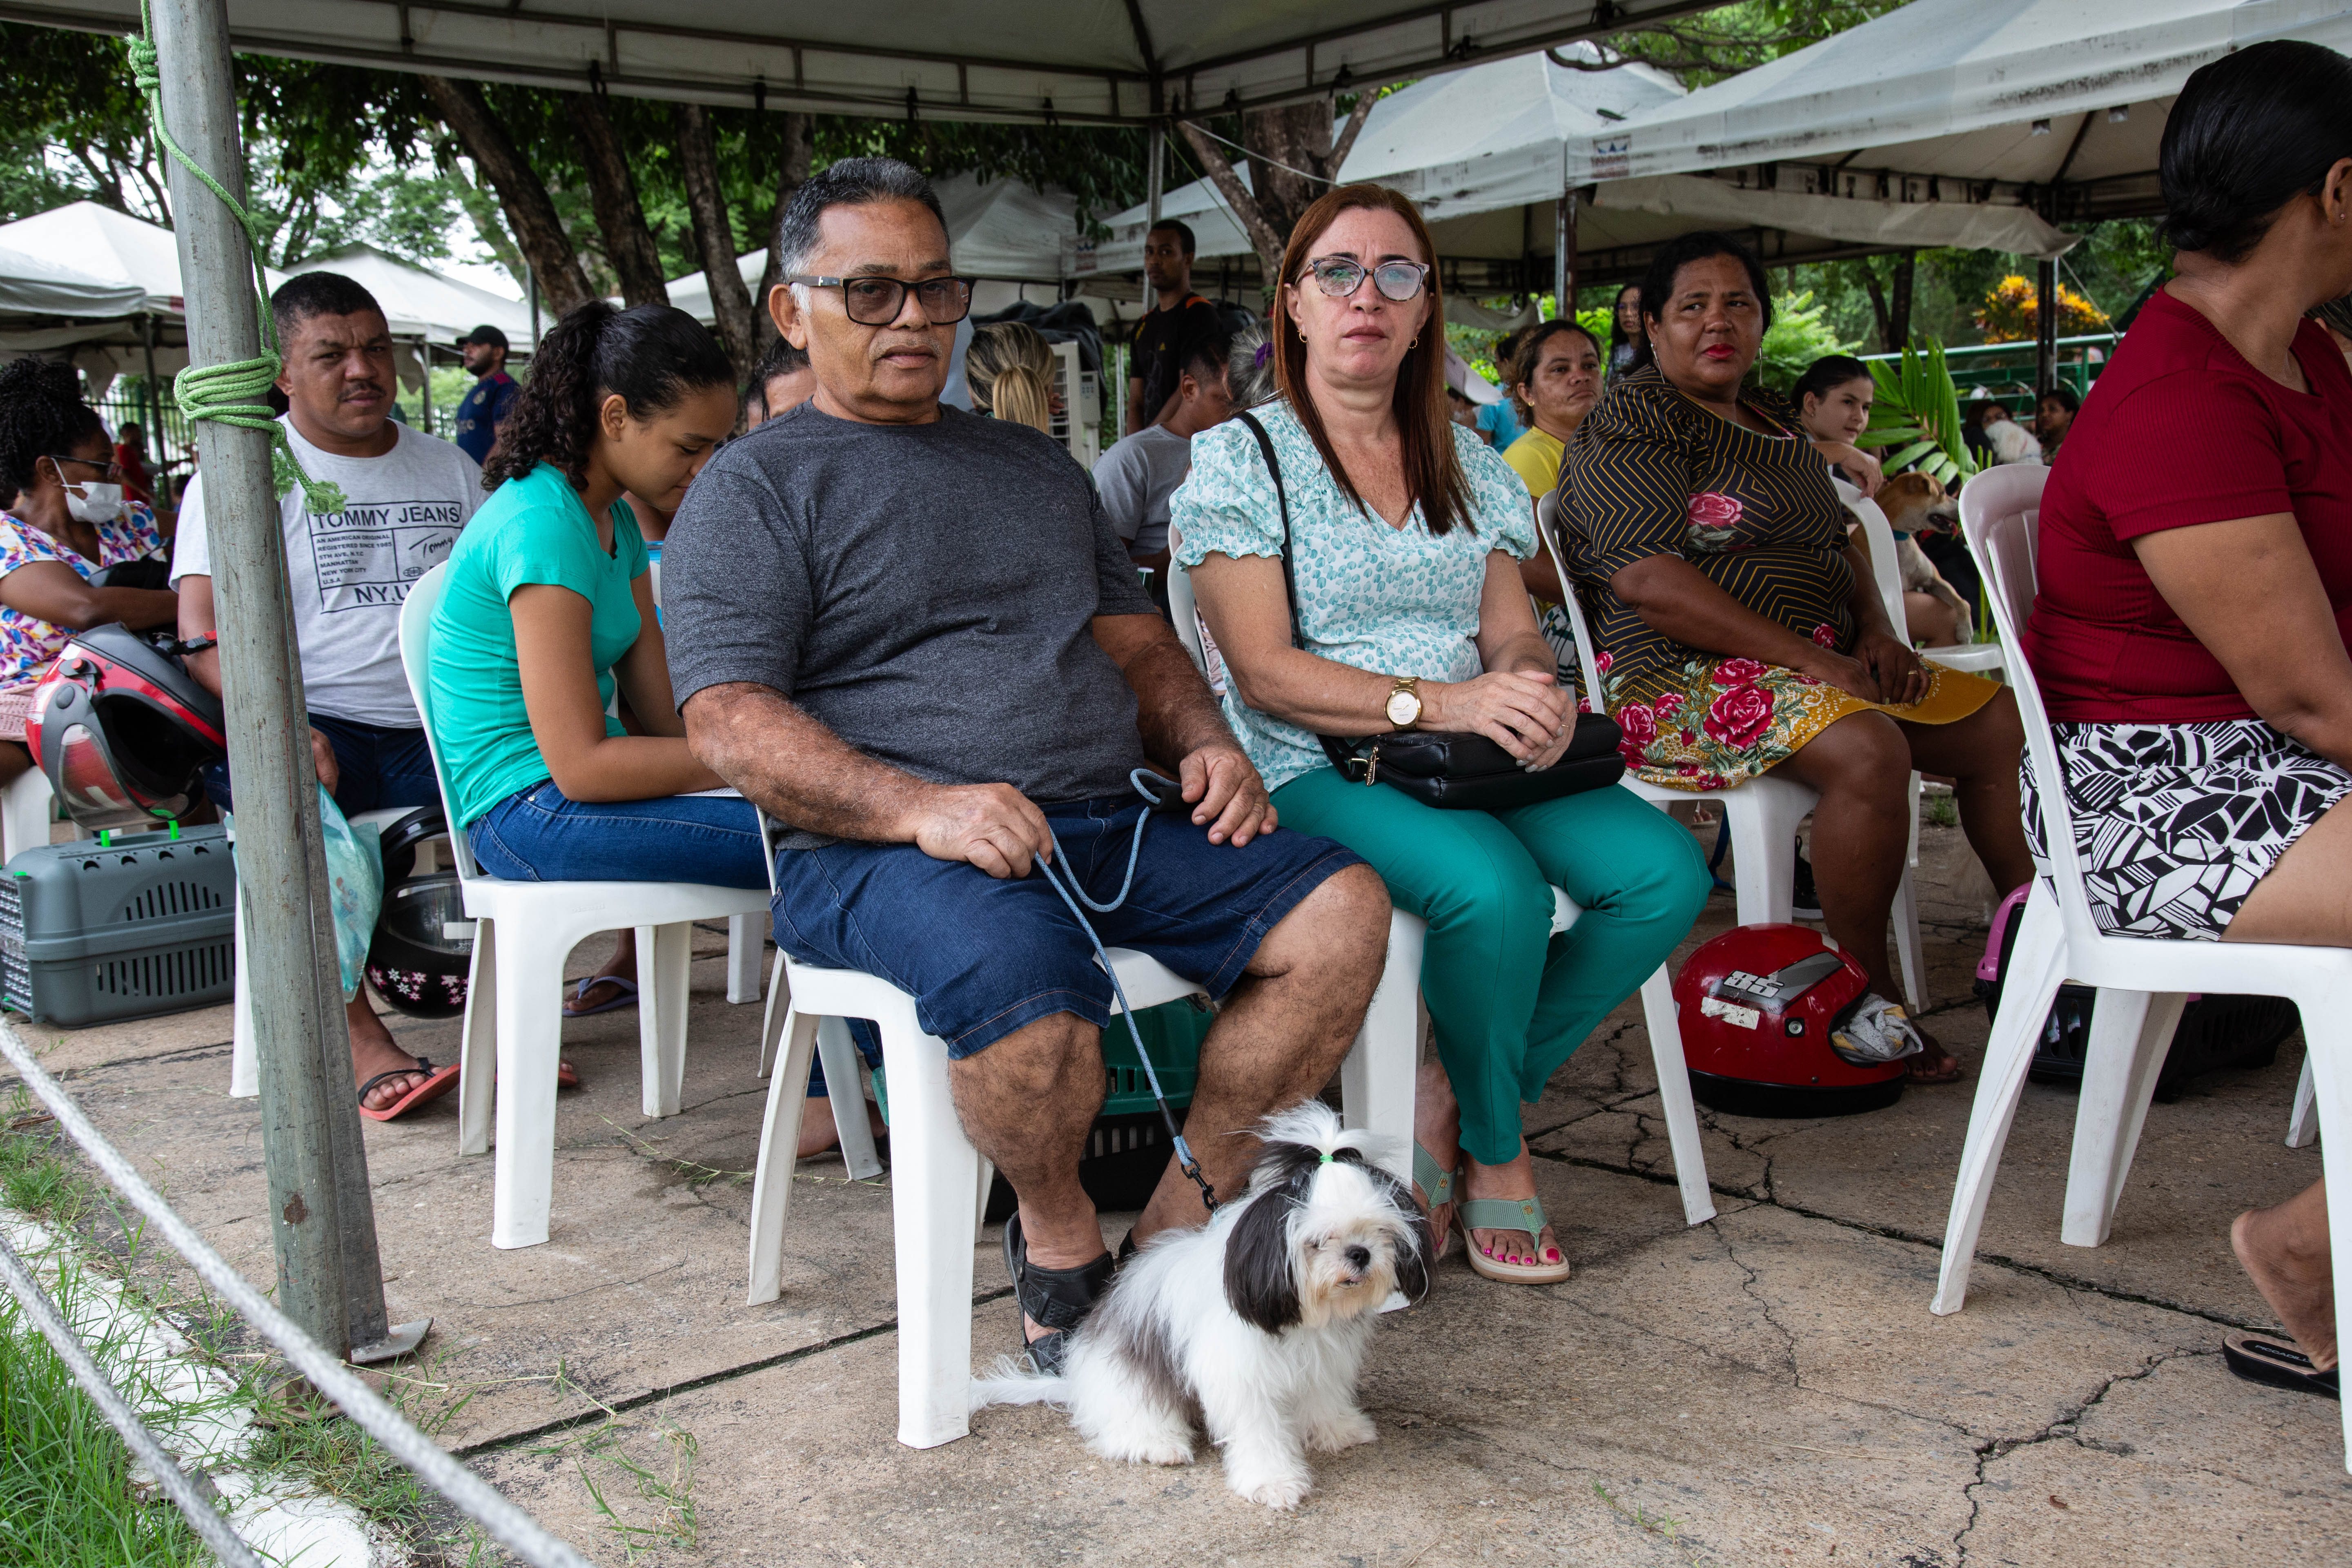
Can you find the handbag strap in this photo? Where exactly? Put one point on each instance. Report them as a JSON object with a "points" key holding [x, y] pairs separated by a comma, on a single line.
{"points": [[1282, 499]]}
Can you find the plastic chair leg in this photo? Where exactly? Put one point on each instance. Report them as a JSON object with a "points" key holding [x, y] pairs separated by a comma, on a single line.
{"points": [[529, 1038], [776, 1018], [1764, 849], [2302, 1122], [1907, 949], [1674, 1097], [2329, 1045], [1376, 1081], [779, 1137], [980, 1207], [477, 1046], [25, 814], [846, 1084], [744, 936], [2026, 997], [665, 955], [934, 1171], [2130, 1033], [245, 1069]]}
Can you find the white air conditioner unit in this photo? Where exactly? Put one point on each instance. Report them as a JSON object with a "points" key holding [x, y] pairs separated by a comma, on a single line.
{"points": [[1078, 426]]}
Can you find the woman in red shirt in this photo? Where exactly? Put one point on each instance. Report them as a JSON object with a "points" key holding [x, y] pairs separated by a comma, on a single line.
{"points": [[2194, 559]]}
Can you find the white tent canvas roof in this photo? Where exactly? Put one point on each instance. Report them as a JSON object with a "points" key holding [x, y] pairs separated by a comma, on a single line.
{"points": [[420, 303], [33, 285], [1956, 101], [108, 245], [1050, 60]]}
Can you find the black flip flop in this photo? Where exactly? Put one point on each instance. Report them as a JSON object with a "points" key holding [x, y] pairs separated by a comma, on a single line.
{"points": [[1057, 1299], [2278, 1364]]}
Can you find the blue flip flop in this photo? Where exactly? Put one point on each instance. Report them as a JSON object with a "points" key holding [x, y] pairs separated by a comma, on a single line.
{"points": [[627, 998]]}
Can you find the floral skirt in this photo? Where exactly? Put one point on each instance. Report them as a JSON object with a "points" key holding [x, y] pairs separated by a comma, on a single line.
{"points": [[1725, 720], [2174, 824]]}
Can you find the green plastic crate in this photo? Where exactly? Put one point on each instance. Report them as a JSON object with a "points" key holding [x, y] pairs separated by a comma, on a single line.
{"points": [[127, 926]]}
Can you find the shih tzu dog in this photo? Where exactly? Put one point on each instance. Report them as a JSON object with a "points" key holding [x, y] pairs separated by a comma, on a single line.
{"points": [[1254, 1326]]}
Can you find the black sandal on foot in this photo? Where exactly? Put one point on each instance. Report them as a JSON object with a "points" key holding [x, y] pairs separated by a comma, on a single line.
{"points": [[1058, 1299], [2280, 1365]]}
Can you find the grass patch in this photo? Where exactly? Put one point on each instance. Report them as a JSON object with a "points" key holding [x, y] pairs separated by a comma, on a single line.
{"points": [[1940, 808]]}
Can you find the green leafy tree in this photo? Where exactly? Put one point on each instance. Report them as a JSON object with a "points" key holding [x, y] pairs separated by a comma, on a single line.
{"points": [[1797, 337]]}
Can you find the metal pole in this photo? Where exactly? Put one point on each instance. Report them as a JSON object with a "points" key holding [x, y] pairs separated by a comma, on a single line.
{"points": [[2045, 328], [1563, 258], [150, 439], [320, 1218], [1157, 165], [424, 398]]}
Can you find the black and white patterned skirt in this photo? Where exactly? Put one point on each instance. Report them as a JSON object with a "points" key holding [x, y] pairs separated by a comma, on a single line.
{"points": [[2176, 823]]}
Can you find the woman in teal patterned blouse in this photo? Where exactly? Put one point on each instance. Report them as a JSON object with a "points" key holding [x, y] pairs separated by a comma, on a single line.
{"points": [[1406, 539]]}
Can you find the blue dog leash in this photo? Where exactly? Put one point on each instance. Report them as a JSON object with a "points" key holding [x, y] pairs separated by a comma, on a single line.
{"points": [[1066, 882]]}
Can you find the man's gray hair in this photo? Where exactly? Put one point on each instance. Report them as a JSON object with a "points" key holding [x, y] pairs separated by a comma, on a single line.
{"points": [[852, 182]]}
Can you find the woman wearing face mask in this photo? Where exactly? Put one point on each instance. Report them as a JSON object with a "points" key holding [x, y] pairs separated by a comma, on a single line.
{"points": [[69, 521], [547, 603], [1629, 340]]}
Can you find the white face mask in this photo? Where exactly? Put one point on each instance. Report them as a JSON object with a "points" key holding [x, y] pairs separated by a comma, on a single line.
{"points": [[94, 503]]}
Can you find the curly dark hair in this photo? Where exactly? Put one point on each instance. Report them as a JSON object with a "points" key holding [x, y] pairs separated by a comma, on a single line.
{"points": [[41, 414], [652, 355]]}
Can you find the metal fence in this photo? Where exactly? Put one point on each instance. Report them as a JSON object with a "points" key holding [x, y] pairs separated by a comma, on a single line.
{"points": [[506, 1523], [171, 436]]}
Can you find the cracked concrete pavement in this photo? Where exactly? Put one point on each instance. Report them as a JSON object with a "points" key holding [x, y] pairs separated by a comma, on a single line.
{"points": [[1767, 1387]]}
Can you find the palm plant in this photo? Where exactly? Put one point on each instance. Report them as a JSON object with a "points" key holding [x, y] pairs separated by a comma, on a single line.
{"points": [[1917, 410]]}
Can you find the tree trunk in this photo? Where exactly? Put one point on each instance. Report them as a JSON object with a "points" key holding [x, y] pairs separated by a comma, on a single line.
{"points": [[800, 148], [730, 300], [620, 217], [530, 211], [1878, 306], [1906, 268], [1293, 160]]}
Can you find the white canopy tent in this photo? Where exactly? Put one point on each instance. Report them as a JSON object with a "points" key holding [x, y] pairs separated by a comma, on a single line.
{"points": [[2057, 105], [1068, 61], [33, 285], [419, 302]]}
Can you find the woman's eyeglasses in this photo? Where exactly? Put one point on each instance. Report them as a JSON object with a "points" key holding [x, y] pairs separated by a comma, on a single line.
{"points": [[112, 470], [1396, 280], [876, 302]]}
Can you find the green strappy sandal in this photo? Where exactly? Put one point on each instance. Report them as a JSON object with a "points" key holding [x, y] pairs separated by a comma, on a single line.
{"points": [[1508, 1214], [1439, 1186]]}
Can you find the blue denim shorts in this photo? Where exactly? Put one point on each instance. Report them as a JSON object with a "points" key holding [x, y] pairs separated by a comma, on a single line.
{"points": [[377, 769], [538, 834], [983, 957]]}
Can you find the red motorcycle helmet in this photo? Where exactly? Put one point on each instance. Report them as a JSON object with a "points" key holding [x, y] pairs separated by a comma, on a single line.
{"points": [[1758, 1005], [122, 731]]}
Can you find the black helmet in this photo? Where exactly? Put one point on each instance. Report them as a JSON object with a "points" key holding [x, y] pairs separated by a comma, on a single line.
{"points": [[122, 730], [412, 963]]}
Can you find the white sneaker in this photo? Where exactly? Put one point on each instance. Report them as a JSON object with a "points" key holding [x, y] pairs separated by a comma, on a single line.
{"points": [[1878, 1032]]}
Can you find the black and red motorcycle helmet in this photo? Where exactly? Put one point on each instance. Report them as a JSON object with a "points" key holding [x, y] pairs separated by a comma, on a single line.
{"points": [[122, 731], [1758, 1005], [413, 962]]}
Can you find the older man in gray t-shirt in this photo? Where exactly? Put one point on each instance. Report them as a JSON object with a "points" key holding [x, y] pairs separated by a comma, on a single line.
{"points": [[909, 634]]}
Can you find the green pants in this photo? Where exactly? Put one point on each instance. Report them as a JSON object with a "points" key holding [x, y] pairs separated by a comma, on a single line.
{"points": [[1507, 1000]]}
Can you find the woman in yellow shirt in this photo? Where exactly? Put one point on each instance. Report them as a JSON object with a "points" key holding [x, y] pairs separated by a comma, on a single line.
{"points": [[1555, 383]]}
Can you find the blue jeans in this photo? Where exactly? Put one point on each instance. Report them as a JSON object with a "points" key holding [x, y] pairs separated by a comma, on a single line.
{"points": [[984, 957], [377, 769], [539, 836]]}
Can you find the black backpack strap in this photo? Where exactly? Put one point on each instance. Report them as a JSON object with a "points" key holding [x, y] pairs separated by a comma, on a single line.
{"points": [[1282, 499]]}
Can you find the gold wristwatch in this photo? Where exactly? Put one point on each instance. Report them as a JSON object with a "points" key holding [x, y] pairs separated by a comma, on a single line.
{"points": [[1404, 702]]}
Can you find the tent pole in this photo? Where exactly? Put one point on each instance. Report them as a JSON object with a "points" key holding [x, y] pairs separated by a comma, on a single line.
{"points": [[2045, 328], [322, 1216], [1156, 167], [1563, 258], [424, 397]]}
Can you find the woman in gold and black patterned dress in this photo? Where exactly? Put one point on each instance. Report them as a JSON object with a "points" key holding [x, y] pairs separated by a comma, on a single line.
{"points": [[1738, 631]]}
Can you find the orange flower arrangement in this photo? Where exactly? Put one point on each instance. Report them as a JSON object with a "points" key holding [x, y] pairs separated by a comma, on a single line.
{"points": [[2010, 311]]}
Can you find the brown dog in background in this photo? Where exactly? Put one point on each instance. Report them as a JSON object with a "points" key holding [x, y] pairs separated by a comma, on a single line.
{"points": [[1913, 502]]}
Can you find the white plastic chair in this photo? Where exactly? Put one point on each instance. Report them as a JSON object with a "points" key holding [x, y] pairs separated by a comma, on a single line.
{"points": [[1407, 934], [514, 1017], [1764, 813], [25, 814], [1977, 659], [2143, 982], [939, 1182]]}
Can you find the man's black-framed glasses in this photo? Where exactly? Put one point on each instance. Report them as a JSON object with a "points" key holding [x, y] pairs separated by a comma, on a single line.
{"points": [[876, 302], [1340, 278]]}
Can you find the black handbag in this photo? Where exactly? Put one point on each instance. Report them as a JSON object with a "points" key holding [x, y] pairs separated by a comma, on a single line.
{"points": [[1456, 770]]}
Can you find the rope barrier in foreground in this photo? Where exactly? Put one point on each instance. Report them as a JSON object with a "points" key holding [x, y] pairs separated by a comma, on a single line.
{"points": [[205, 1520], [508, 1525]]}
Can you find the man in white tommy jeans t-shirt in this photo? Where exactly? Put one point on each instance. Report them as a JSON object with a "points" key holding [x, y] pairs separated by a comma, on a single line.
{"points": [[406, 495]]}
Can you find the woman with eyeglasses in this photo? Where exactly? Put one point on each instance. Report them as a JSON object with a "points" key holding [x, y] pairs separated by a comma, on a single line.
{"points": [[1404, 536], [547, 603], [67, 521]]}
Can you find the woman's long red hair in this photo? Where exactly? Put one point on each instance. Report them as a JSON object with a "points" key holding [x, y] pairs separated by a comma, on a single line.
{"points": [[1432, 471]]}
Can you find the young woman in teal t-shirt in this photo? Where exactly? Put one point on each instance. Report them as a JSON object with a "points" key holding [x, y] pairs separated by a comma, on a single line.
{"points": [[548, 606]]}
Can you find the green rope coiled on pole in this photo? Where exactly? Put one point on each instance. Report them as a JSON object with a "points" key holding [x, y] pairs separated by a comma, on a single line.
{"points": [[235, 393]]}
